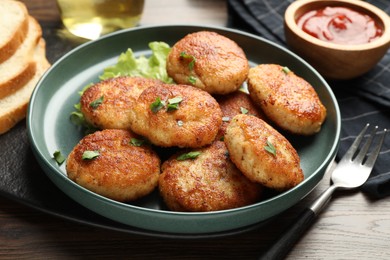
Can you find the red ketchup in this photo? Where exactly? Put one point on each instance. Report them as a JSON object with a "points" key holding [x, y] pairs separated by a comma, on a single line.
{"points": [[340, 25]]}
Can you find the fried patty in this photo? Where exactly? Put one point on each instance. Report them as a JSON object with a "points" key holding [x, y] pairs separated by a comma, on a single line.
{"points": [[262, 154], [121, 171], [106, 104], [209, 61], [209, 182], [192, 120], [234, 104], [287, 99]]}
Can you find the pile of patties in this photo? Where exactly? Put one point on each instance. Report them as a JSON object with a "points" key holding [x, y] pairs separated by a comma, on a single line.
{"points": [[22, 61], [225, 149]]}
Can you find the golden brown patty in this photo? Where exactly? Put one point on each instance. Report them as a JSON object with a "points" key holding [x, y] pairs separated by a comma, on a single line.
{"points": [[194, 122], [250, 140], [207, 183], [121, 171], [288, 100], [107, 104], [234, 104], [208, 61]]}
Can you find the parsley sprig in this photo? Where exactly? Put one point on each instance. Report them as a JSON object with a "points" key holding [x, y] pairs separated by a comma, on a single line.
{"points": [[60, 159], [191, 65], [137, 142], [286, 70], [269, 147], [189, 155], [171, 104], [157, 105], [187, 56], [89, 155], [97, 102]]}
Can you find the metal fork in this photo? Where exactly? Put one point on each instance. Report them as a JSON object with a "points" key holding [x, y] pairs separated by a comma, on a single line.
{"points": [[352, 171]]}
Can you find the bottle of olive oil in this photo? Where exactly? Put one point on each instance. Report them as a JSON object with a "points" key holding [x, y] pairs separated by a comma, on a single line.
{"points": [[92, 18]]}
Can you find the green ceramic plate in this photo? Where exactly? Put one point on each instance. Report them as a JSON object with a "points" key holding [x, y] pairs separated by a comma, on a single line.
{"points": [[50, 129]]}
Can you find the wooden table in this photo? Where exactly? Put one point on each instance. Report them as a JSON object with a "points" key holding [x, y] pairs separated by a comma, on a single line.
{"points": [[352, 226]]}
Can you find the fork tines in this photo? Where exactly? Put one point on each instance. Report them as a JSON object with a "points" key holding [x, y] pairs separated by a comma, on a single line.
{"points": [[358, 155]]}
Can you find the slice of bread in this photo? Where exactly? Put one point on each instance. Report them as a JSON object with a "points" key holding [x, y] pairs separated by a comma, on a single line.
{"points": [[18, 69], [13, 107], [13, 27]]}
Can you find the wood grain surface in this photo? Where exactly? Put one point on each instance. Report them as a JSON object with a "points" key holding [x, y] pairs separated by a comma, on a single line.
{"points": [[352, 226]]}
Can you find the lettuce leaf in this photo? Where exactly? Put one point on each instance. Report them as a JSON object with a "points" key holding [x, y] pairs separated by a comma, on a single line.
{"points": [[128, 65], [152, 67]]}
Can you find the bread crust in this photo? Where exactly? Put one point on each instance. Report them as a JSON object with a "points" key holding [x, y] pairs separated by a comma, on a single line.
{"points": [[13, 107], [10, 43], [18, 69], [18, 81]]}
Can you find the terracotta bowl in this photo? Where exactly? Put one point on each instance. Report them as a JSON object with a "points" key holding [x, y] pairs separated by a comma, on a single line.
{"points": [[332, 60]]}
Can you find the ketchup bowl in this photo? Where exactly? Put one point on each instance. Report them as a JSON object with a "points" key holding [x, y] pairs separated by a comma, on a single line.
{"points": [[342, 39]]}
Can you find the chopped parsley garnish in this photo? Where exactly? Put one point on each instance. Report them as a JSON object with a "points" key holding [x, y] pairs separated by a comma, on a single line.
{"points": [[173, 103], [190, 57], [137, 142], [94, 104], [89, 155], [190, 155], [157, 105], [192, 80], [243, 110], [77, 118], [184, 55], [286, 70], [270, 148], [58, 157]]}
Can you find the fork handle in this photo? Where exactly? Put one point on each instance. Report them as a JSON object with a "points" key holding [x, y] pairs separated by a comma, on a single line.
{"points": [[283, 245]]}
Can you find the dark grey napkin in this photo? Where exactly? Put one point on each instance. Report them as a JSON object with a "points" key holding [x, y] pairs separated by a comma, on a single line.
{"points": [[362, 100]]}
